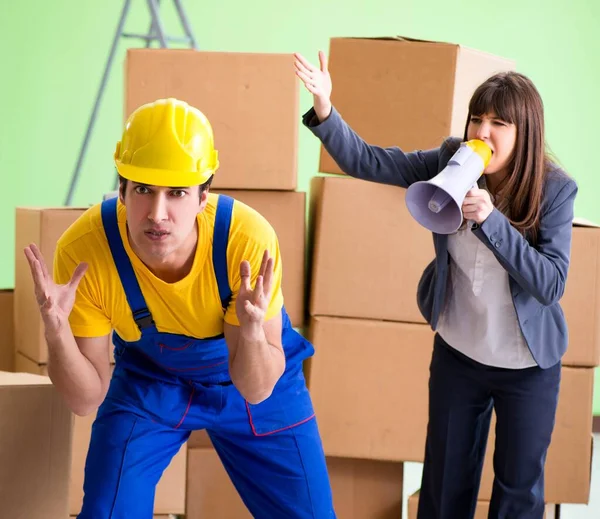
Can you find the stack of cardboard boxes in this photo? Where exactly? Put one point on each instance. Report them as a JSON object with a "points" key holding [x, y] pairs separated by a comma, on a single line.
{"points": [[369, 377]]}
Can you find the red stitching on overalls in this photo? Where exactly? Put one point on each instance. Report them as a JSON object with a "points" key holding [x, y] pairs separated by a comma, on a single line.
{"points": [[184, 347], [187, 408], [277, 430]]}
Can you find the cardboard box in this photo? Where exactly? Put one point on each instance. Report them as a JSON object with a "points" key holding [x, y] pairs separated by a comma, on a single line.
{"points": [[481, 511], [286, 212], [43, 227], [35, 451], [568, 465], [361, 489], [581, 301], [170, 491], [199, 440], [365, 489], [368, 382], [170, 497], [418, 91], [210, 492], [7, 336], [251, 101], [366, 263]]}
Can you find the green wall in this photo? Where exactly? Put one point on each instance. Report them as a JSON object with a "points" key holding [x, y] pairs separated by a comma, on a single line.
{"points": [[53, 53]]}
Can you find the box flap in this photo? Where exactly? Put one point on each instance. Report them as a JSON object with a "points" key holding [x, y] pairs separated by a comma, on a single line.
{"points": [[394, 38], [582, 222], [399, 37], [408, 39]]}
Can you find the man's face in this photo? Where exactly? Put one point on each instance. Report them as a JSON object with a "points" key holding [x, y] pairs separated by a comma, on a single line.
{"points": [[162, 220]]}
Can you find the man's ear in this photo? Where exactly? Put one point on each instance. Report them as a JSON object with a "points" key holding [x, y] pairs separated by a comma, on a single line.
{"points": [[121, 191], [203, 200]]}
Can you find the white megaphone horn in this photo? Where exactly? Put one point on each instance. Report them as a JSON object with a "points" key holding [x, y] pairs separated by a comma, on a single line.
{"points": [[437, 203]]}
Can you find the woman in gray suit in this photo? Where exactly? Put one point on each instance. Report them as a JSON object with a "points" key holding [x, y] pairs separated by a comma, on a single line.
{"points": [[491, 294]]}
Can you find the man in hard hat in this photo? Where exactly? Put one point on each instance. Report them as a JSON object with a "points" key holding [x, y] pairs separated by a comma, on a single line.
{"points": [[190, 282]]}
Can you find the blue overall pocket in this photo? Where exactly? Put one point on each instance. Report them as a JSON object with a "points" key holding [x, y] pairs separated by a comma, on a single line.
{"points": [[288, 406]]}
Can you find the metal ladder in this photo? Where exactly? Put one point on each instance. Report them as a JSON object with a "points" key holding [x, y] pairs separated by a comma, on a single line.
{"points": [[156, 32]]}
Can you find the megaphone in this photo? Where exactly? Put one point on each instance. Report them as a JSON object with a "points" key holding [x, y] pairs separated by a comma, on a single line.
{"points": [[437, 203]]}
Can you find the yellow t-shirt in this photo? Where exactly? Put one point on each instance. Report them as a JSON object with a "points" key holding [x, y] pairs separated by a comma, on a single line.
{"points": [[191, 306]]}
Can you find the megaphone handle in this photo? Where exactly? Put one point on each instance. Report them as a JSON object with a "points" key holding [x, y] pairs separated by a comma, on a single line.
{"points": [[471, 223]]}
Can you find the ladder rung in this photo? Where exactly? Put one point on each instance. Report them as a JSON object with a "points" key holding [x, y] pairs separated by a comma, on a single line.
{"points": [[174, 39]]}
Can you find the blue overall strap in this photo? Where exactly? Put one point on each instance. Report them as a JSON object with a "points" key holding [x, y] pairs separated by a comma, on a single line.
{"points": [[220, 240], [133, 292]]}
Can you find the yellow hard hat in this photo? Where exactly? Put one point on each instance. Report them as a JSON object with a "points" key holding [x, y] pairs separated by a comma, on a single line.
{"points": [[167, 143]]}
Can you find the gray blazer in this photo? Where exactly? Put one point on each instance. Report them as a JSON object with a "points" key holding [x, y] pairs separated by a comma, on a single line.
{"points": [[537, 274]]}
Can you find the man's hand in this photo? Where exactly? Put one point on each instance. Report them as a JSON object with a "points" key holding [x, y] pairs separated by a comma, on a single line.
{"points": [[252, 304], [477, 205], [256, 356], [55, 301]]}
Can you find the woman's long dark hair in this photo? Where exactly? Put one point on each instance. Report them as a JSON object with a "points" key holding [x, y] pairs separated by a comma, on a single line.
{"points": [[513, 97]]}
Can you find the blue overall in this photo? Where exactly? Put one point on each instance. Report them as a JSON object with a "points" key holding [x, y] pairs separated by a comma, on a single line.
{"points": [[165, 385]]}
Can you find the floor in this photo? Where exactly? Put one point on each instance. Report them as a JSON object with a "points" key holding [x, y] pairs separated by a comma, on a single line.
{"points": [[412, 482]]}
